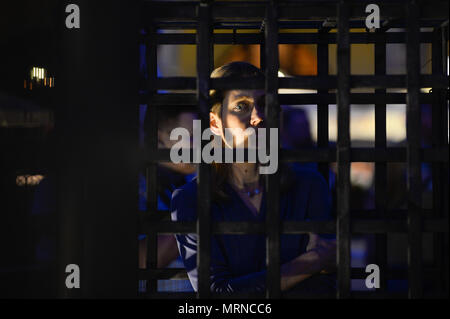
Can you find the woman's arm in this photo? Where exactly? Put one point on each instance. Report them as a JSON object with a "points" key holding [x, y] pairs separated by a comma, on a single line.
{"points": [[319, 257], [167, 251], [299, 269]]}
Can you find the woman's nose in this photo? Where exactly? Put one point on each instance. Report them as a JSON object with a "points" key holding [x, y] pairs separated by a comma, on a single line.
{"points": [[256, 118]]}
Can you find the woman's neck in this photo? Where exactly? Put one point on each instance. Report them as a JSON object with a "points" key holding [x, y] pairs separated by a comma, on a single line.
{"points": [[243, 174]]}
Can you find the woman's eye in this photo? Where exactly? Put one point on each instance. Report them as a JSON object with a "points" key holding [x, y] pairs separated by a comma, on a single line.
{"points": [[241, 106]]}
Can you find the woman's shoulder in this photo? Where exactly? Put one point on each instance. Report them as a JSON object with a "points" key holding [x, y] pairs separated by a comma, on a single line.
{"points": [[184, 201]]}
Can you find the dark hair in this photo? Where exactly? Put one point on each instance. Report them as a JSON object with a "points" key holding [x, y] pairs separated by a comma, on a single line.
{"points": [[221, 171], [230, 71]]}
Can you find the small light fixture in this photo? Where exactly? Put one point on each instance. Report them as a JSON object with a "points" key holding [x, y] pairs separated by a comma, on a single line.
{"points": [[38, 73], [40, 78]]}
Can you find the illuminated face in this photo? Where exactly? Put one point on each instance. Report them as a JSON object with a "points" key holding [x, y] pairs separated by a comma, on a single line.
{"points": [[241, 109]]}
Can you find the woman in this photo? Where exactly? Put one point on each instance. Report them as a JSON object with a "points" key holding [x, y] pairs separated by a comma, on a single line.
{"points": [[238, 262]]}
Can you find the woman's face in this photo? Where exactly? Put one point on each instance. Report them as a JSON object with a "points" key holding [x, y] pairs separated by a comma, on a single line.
{"points": [[241, 109]]}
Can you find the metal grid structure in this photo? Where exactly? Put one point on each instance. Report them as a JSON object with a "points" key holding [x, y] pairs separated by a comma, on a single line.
{"points": [[271, 17]]}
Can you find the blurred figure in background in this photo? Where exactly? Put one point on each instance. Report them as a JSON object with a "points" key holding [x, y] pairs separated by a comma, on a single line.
{"points": [[397, 172], [295, 128], [295, 134], [170, 176]]}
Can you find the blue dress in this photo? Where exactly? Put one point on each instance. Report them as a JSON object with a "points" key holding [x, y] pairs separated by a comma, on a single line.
{"points": [[238, 262]]}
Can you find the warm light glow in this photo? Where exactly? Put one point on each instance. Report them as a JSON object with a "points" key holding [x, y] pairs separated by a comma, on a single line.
{"points": [[292, 91], [38, 73], [28, 180]]}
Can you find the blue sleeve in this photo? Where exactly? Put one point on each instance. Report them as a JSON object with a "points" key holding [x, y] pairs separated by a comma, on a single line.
{"points": [[183, 208]]}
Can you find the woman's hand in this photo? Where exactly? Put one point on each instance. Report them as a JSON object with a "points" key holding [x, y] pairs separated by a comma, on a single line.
{"points": [[326, 249]]}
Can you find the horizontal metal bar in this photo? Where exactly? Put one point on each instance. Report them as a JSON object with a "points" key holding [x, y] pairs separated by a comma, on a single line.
{"points": [[439, 154], [168, 295], [378, 226], [238, 228], [299, 10], [356, 273], [394, 214], [368, 99], [159, 215], [285, 38], [176, 83], [395, 81], [391, 154], [395, 226], [189, 100], [174, 99], [362, 214], [363, 226], [293, 24], [375, 294], [163, 274], [168, 227], [323, 227], [304, 82]]}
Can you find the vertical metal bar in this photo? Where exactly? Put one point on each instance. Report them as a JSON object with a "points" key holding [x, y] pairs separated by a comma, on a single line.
{"points": [[152, 145], [272, 114], [381, 167], [69, 174], [437, 111], [322, 108], [262, 50], [445, 173], [440, 170], [343, 151], [413, 153], [103, 126], [204, 46]]}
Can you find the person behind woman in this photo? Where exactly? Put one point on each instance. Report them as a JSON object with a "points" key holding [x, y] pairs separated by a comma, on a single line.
{"points": [[238, 262]]}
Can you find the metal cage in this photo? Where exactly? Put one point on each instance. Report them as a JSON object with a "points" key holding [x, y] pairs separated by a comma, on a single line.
{"points": [[120, 223], [271, 17]]}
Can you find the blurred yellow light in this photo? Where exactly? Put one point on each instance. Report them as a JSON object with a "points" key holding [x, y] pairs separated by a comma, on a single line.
{"points": [[28, 180], [38, 73]]}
